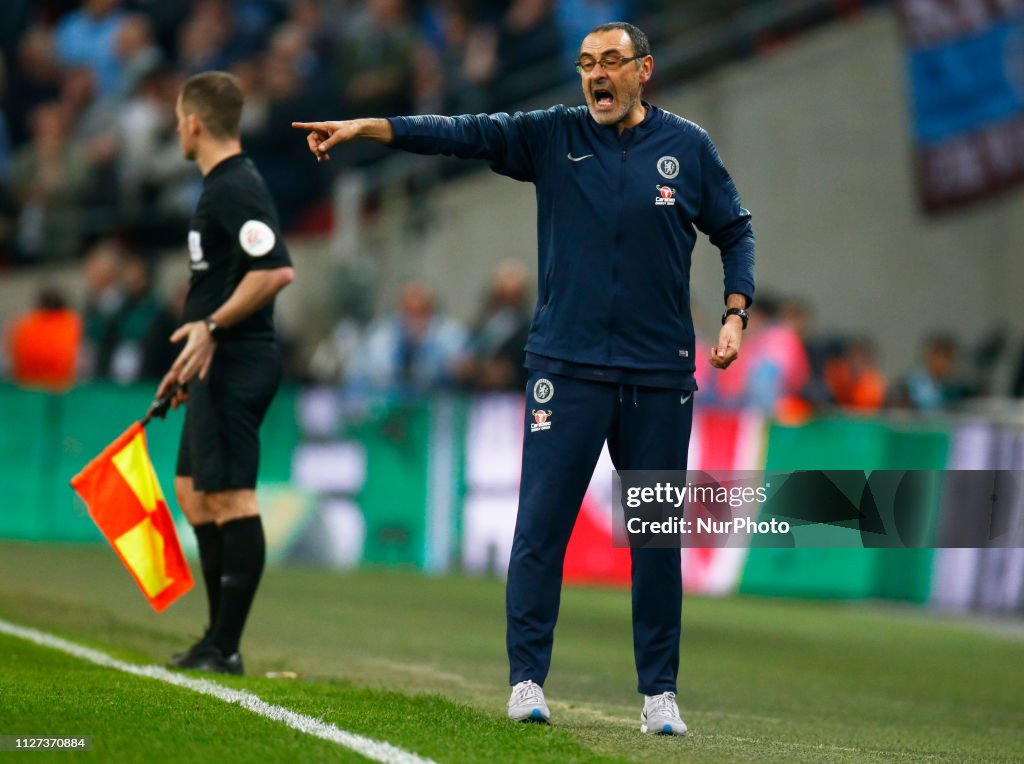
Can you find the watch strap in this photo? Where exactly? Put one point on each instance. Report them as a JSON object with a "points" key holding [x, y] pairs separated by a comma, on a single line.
{"points": [[742, 313], [212, 326]]}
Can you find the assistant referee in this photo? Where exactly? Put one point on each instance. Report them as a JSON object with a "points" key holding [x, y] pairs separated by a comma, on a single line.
{"points": [[230, 366]]}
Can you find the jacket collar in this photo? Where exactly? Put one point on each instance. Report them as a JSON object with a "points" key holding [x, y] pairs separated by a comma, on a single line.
{"points": [[610, 134]]}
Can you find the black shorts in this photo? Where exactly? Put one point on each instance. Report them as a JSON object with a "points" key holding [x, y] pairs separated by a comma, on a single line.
{"points": [[220, 445]]}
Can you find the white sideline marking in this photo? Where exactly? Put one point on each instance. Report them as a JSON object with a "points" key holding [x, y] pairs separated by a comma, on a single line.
{"points": [[371, 749]]}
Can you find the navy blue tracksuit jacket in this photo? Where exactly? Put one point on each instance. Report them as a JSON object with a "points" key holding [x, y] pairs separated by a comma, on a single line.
{"points": [[616, 219], [612, 340]]}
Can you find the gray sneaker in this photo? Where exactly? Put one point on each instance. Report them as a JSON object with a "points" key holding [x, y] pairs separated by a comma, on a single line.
{"points": [[527, 703], [661, 715]]}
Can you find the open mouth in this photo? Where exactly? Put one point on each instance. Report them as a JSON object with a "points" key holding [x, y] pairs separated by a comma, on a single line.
{"points": [[604, 98]]}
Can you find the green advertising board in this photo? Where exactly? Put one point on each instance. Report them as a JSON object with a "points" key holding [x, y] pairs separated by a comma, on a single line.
{"points": [[848, 573], [46, 439]]}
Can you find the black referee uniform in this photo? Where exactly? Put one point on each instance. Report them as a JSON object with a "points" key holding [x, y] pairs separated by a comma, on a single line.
{"points": [[234, 230]]}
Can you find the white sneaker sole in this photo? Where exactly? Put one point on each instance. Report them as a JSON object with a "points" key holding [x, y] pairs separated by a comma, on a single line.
{"points": [[536, 716], [666, 729]]}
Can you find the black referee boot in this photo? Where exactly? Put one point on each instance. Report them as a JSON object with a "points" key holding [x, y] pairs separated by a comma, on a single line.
{"points": [[177, 658], [203, 657]]}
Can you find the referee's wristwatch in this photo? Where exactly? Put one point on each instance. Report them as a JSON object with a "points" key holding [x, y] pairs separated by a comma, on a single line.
{"points": [[744, 316], [214, 329]]}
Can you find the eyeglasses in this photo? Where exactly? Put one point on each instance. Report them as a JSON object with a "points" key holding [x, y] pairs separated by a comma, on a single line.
{"points": [[609, 63]]}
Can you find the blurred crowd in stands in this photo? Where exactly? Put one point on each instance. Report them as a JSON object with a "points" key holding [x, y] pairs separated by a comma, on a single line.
{"points": [[787, 368], [87, 141], [87, 91], [90, 169], [120, 333]]}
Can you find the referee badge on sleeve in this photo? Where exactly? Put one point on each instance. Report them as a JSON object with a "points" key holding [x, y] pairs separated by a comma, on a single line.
{"points": [[256, 238]]}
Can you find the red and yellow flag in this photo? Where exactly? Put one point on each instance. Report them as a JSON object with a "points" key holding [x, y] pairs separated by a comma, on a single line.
{"points": [[125, 501]]}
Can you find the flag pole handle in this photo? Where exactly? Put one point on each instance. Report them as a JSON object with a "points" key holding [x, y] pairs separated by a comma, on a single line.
{"points": [[158, 409]]}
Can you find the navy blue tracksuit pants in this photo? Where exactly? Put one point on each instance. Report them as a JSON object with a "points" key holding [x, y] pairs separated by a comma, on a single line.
{"points": [[646, 429]]}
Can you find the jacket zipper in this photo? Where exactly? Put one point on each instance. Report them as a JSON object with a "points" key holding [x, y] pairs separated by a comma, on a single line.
{"points": [[615, 253]]}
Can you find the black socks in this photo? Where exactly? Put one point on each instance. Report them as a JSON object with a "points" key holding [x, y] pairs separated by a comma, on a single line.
{"points": [[244, 553], [211, 551]]}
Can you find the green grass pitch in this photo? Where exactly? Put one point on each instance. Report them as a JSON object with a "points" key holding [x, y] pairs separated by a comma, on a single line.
{"points": [[419, 662]]}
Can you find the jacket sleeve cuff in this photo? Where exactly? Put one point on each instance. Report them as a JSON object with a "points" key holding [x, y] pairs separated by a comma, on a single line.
{"points": [[744, 288], [399, 126]]}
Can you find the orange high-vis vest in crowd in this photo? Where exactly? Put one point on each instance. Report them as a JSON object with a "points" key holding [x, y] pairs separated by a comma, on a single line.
{"points": [[44, 347]]}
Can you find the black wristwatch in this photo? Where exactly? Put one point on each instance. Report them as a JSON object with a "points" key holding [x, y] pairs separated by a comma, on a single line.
{"points": [[744, 316], [213, 329]]}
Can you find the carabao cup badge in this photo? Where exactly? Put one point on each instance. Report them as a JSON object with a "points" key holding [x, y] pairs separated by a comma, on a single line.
{"points": [[541, 420]]}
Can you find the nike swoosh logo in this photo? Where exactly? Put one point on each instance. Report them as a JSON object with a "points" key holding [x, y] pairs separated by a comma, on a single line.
{"points": [[683, 400], [578, 159]]}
